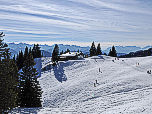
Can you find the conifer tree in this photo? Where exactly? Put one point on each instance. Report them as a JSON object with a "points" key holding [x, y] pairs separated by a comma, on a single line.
{"points": [[110, 53], [2, 45], [68, 50], [113, 52], [14, 59], [99, 50], [61, 52], [8, 80], [36, 51], [29, 88], [25, 53], [38, 55], [20, 60], [55, 53], [93, 50]]}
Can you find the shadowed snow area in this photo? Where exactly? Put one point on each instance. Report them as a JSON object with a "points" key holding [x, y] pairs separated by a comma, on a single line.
{"points": [[122, 86]]}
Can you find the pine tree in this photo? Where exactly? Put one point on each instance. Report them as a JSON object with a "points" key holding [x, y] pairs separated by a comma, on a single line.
{"points": [[14, 59], [93, 50], [55, 53], [68, 50], [25, 53], [20, 60], [29, 88], [36, 51], [110, 53], [2, 46], [38, 55], [99, 50], [61, 52], [8, 81], [113, 52]]}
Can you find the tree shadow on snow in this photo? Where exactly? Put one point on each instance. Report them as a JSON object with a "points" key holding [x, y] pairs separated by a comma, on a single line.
{"points": [[59, 72]]}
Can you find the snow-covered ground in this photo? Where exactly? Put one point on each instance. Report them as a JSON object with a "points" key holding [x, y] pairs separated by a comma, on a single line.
{"points": [[122, 87]]}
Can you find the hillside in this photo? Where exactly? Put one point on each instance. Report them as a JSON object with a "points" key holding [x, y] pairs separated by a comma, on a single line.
{"points": [[122, 87]]}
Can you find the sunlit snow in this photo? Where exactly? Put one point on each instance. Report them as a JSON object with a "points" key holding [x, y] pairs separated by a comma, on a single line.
{"points": [[122, 86]]}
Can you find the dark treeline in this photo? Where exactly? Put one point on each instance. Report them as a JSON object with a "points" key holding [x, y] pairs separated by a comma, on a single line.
{"points": [[18, 89], [141, 53]]}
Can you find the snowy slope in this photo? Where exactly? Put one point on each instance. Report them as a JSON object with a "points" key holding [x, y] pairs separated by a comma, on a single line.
{"points": [[122, 87]]}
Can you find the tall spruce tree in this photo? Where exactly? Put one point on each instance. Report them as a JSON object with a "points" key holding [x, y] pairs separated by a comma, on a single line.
{"points": [[93, 50], [36, 51], [113, 52], [55, 53], [99, 50], [25, 53], [20, 60], [8, 80], [2, 45], [29, 88]]}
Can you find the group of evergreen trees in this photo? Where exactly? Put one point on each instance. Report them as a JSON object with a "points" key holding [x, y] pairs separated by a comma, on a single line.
{"points": [[36, 53], [17, 89], [8, 78], [113, 52], [94, 51]]}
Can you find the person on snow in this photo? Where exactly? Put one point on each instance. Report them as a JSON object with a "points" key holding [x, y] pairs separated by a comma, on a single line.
{"points": [[94, 85], [96, 81]]}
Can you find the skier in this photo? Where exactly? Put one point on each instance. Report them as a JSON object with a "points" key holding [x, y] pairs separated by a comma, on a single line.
{"points": [[94, 85], [96, 81], [99, 69], [148, 72]]}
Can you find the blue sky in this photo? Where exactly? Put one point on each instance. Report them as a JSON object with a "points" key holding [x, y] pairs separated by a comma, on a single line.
{"points": [[79, 22]]}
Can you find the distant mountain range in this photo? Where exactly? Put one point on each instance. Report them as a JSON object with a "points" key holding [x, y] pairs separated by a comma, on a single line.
{"points": [[47, 50]]}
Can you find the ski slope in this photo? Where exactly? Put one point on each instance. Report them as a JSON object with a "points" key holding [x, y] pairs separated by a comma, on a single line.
{"points": [[122, 87]]}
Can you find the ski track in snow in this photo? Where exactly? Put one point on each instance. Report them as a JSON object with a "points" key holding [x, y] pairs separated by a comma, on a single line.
{"points": [[122, 87]]}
